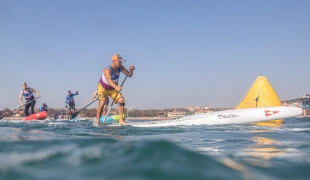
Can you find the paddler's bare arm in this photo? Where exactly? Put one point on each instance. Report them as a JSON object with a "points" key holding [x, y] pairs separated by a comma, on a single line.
{"points": [[95, 95], [20, 99], [107, 75], [32, 90], [125, 71]]}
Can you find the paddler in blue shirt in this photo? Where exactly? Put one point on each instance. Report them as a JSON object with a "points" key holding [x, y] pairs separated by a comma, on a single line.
{"points": [[54, 115], [43, 107], [108, 86], [61, 114], [70, 102], [305, 103], [27, 92]]}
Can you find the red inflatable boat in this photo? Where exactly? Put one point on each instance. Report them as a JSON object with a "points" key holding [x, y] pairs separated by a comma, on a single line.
{"points": [[37, 116]]}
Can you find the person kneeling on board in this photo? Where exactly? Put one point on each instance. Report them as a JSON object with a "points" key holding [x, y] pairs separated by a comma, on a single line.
{"points": [[43, 107]]}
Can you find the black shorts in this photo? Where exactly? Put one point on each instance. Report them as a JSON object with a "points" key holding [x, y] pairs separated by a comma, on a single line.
{"points": [[70, 107]]}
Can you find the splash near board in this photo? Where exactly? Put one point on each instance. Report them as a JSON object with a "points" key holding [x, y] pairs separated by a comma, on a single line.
{"points": [[37, 116], [261, 94], [111, 119]]}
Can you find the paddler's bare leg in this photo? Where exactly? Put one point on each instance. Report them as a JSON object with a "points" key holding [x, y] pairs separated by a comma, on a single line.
{"points": [[121, 111], [69, 111], [99, 110], [104, 111]]}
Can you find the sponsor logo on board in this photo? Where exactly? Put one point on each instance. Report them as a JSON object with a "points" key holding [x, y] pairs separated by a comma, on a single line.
{"points": [[221, 116], [268, 113]]}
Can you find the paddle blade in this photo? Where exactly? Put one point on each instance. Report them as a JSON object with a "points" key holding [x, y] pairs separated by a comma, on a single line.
{"points": [[1, 117], [74, 115]]}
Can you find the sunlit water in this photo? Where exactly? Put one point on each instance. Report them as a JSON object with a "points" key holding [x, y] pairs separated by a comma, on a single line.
{"points": [[77, 150]]}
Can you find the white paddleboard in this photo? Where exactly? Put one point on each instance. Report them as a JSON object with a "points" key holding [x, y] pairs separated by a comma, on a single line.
{"points": [[229, 117]]}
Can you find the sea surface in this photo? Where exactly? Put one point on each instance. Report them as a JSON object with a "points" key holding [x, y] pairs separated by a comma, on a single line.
{"points": [[78, 150]]}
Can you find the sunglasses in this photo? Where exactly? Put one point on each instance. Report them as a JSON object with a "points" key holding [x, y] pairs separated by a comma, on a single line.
{"points": [[120, 60]]}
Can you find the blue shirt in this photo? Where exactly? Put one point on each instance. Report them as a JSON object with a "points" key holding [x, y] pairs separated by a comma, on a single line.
{"points": [[43, 108], [70, 100]]}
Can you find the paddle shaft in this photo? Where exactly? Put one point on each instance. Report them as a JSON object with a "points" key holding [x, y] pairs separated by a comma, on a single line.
{"points": [[76, 113], [18, 107], [60, 112], [113, 101]]}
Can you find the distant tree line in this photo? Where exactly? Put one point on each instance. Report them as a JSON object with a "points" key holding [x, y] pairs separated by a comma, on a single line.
{"points": [[291, 101]]}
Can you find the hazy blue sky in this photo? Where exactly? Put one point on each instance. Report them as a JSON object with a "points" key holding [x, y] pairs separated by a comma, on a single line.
{"points": [[186, 53]]}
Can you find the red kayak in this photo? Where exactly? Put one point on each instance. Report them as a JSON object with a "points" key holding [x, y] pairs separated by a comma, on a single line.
{"points": [[37, 116]]}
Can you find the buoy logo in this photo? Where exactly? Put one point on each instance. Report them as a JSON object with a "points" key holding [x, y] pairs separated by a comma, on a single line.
{"points": [[268, 113]]}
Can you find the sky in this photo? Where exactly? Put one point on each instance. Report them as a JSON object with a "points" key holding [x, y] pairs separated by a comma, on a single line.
{"points": [[186, 53]]}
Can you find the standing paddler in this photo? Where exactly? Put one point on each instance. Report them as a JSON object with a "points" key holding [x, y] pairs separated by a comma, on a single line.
{"points": [[70, 103], [27, 92], [108, 86]]}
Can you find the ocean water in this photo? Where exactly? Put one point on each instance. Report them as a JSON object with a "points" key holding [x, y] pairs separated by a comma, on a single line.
{"points": [[77, 150]]}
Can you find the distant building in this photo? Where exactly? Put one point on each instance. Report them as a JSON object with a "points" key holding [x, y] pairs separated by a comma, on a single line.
{"points": [[161, 114], [5, 113], [175, 114], [284, 103], [113, 111], [208, 107], [199, 111], [191, 109]]}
